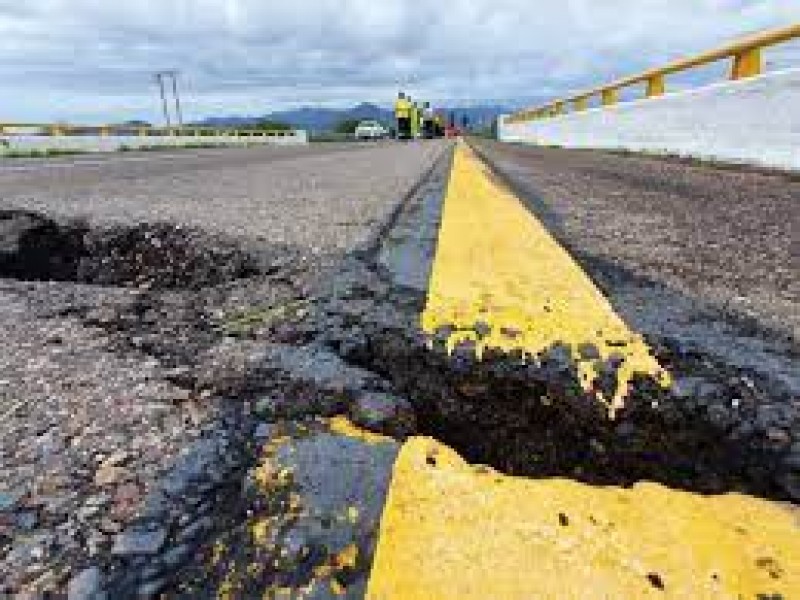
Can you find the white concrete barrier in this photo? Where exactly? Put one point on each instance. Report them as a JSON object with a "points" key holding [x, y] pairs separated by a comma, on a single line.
{"points": [[22, 141], [753, 121]]}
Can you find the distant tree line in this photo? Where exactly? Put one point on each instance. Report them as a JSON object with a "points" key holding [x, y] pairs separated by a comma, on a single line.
{"points": [[347, 126], [270, 125]]}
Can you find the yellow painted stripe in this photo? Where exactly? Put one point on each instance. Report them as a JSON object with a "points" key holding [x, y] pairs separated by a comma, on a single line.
{"points": [[453, 532], [496, 264]]}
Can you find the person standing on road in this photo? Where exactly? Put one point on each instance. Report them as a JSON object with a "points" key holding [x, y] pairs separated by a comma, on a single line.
{"points": [[428, 122], [414, 120], [402, 114], [438, 125]]}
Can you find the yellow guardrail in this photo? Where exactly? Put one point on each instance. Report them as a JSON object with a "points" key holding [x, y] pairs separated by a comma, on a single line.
{"points": [[747, 62], [63, 129]]}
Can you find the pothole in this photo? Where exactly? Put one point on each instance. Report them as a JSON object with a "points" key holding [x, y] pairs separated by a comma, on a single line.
{"points": [[34, 247], [730, 432], [492, 414]]}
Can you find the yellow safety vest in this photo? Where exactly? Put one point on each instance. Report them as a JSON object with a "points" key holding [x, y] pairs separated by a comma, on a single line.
{"points": [[402, 109]]}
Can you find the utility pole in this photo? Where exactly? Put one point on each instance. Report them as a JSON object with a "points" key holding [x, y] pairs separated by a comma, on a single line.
{"points": [[160, 80], [173, 76], [178, 113]]}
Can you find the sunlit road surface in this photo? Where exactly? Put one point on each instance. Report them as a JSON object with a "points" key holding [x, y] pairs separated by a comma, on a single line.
{"points": [[722, 234]]}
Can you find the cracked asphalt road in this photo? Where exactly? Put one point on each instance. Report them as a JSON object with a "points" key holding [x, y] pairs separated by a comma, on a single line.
{"points": [[183, 370], [727, 236], [700, 254], [93, 393]]}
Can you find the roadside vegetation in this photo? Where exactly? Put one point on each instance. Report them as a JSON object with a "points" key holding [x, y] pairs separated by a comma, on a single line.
{"points": [[44, 153], [270, 125], [55, 152], [346, 126]]}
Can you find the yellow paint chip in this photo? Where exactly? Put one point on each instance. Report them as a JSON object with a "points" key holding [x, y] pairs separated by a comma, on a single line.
{"points": [[451, 533], [352, 514], [347, 558], [496, 264], [337, 588], [259, 531], [343, 426]]}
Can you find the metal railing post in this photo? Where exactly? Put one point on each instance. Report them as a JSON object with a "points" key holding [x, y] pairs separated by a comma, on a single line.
{"points": [[609, 96], [655, 86], [747, 64]]}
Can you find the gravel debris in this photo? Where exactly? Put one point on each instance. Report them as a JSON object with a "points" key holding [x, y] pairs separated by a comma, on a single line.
{"points": [[116, 441]]}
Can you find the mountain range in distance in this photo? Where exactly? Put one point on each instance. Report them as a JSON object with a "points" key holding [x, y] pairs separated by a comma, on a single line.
{"points": [[317, 119]]}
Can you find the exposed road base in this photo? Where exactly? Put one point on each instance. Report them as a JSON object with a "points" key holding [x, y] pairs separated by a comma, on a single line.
{"points": [[134, 384], [533, 417]]}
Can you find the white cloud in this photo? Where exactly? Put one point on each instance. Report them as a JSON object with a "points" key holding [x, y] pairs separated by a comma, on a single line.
{"points": [[93, 59]]}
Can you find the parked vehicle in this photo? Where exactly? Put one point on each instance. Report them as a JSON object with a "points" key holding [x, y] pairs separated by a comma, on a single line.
{"points": [[370, 130]]}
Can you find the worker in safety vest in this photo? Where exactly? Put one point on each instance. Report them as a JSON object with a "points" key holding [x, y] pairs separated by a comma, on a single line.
{"points": [[428, 122], [438, 125], [402, 114], [414, 120]]}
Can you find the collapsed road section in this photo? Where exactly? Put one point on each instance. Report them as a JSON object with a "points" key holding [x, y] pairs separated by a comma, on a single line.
{"points": [[414, 338], [510, 355], [535, 401], [342, 398], [134, 298]]}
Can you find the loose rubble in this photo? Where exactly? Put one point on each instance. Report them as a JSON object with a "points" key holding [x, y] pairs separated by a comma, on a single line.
{"points": [[148, 255], [134, 362]]}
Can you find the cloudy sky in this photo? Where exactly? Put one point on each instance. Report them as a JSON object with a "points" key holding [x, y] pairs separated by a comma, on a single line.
{"points": [[92, 60]]}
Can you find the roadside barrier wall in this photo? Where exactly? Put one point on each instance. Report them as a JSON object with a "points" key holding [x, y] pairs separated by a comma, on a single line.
{"points": [[23, 139], [755, 121], [751, 118]]}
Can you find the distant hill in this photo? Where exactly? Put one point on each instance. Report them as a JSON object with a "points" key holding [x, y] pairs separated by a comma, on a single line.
{"points": [[318, 119], [325, 119]]}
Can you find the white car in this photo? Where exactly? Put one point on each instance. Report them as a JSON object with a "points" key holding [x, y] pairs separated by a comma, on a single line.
{"points": [[370, 130]]}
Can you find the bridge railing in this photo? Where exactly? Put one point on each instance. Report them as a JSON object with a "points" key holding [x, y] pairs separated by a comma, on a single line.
{"points": [[746, 56], [65, 129]]}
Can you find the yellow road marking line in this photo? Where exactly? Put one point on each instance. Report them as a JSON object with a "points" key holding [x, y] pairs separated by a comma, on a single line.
{"points": [[497, 264], [450, 531]]}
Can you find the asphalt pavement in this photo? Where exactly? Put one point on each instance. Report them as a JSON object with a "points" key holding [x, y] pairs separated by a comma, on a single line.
{"points": [[116, 383], [204, 352], [699, 253], [319, 196]]}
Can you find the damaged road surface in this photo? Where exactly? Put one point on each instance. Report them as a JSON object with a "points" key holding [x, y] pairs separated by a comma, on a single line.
{"points": [[418, 390], [132, 297]]}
